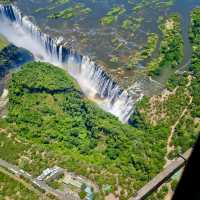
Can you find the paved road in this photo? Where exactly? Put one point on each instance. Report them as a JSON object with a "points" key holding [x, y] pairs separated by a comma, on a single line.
{"points": [[41, 184], [162, 177]]}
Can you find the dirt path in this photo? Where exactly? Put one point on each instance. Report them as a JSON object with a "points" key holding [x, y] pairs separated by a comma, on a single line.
{"points": [[169, 141]]}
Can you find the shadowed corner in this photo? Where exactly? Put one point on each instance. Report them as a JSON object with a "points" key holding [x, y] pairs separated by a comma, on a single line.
{"points": [[188, 187]]}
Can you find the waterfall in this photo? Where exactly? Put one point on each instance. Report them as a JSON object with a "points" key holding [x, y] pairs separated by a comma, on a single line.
{"points": [[93, 80]]}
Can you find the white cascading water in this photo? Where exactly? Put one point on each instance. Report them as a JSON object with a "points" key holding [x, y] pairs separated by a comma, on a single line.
{"points": [[94, 82]]}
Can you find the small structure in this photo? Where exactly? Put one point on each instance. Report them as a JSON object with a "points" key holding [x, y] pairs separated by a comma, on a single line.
{"points": [[78, 181], [50, 174]]}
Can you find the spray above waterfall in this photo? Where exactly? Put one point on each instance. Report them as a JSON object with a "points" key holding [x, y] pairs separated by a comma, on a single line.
{"points": [[93, 80]]}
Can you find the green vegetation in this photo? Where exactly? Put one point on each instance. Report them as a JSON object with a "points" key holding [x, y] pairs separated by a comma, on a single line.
{"points": [[159, 195], [166, 109], [132, 24], [112, 15], [157, 4], [82, 194], [13, 189], [47, 109], [3, 43], [6, 1], [174, 184], [171, 47], [187, 131], [144, 53], [77, 10], [178, 106], [160, 110], [32, 158], [53, 123], [151, 45], [61, 1], [57, 3], [194, 36]]}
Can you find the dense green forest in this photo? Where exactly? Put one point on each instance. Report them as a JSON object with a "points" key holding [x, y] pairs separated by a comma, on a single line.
{"points": [[47, 108], [194, 36]]}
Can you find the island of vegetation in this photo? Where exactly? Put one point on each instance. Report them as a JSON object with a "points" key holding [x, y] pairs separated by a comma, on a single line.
{"points": [[171, 47], [77, 10], [112, 15]]}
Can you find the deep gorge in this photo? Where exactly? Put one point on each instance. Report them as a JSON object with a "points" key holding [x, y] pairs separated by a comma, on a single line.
{"points": [[93, 80]]}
